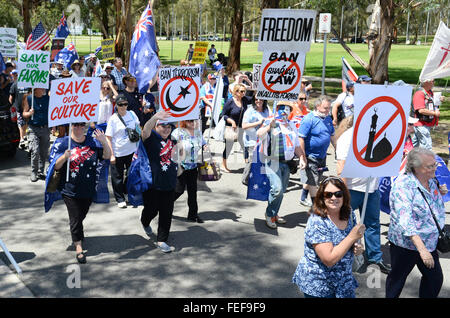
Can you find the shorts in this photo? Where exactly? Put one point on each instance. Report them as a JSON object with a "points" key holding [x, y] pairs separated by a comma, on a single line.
{"points": [[21, 121], [312, 175]]}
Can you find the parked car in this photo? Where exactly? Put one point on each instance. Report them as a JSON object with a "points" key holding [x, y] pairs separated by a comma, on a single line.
{"points": [[358, 40], [319, 40], [245, 39], [334, 40], [9, 132]]}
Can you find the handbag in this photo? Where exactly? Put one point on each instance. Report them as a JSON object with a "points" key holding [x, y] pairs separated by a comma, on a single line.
{"points": [[53, 183], [293, 165], [133, 135], [208, 171], [443, 244], [230, 134]]}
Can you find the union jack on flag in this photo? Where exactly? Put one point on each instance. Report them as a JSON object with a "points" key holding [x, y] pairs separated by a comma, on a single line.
{"points": [[62, 31], [141, 25], [37, 38]]}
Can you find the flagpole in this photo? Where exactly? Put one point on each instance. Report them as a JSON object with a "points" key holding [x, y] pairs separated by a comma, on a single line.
{"points": [[68, 160], [32, 101]]}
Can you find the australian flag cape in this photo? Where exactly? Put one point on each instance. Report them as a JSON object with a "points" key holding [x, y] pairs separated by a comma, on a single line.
{"points": [[59, 147], [258, 182], [139, 176], [385, 184]]}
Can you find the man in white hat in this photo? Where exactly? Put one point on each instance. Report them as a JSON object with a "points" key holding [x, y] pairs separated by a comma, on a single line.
{"points": [[427, 113]]}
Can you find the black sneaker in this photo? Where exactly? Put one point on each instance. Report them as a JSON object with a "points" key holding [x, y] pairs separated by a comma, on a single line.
{"points": [[195, 219], [41, 176]]}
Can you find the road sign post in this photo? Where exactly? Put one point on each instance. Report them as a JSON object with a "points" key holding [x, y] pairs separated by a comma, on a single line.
{"points": [[325, 28]]}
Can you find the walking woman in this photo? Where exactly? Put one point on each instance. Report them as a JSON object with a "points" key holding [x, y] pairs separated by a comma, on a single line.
{"points": [[413, 233], [79, 191], [158, 199], [325, 270], [233, 112], [190, 142], [122, 147]]}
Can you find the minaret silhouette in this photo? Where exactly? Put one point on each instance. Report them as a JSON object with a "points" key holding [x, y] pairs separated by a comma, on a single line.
{"points": [[372, 132]]}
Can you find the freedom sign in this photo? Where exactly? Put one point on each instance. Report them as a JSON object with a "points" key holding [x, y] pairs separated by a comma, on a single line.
{"points": [[33, 68], [74, 100], [179, 93], [380, 124], [281, 74], [286, 30]]}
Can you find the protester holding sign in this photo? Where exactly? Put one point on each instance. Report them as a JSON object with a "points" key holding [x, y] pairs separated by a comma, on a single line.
{"points": [[206, 99], [358, 188], [39, 133], [122, 146], [79, 190], [331, 236], [280, 143], [158, 199], [413, 232]]}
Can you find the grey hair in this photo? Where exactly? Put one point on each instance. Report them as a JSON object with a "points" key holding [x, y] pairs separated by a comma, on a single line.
{"points": [[321, 99], [415, 158]]}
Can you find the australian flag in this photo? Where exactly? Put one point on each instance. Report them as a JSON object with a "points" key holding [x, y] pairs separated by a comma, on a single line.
{"points": [[144, 61], [258, 182], [68, 55], [62, 31]]}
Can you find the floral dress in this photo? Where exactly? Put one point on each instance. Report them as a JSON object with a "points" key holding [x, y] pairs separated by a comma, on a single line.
{"points": [[312, 276]]}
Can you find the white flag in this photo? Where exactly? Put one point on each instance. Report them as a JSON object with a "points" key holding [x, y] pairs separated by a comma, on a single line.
{"points": [[437, 64]]}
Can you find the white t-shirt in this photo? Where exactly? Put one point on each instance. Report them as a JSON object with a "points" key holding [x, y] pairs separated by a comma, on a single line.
{"points": [[121, 144], [346, 100], [105, 110], [342, 148]]}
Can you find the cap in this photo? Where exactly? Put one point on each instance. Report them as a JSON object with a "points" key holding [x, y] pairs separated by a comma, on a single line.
{"points": [[217, 66], [121, 98], [364, 78], [160, 122], [350, 84], [412, 120], [108, 65], [427, 80]]}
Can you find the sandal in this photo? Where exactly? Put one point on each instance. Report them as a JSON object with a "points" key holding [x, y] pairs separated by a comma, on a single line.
{"points": [[82, 259]]}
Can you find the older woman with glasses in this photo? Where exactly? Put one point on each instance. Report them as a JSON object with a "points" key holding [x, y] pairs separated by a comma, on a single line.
{"points": [[78, 192], [413, 233], [331, 237], [233, 112], [122, 147]]}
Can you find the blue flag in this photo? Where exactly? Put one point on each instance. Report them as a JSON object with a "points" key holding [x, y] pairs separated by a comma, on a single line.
{"points": [[139, 176], [68, 55], [2, 63], [258, 182], [62, 31], [144, 61]]}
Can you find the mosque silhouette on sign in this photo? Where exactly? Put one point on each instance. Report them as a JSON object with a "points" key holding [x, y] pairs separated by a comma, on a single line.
{"points": [[383, 148]]}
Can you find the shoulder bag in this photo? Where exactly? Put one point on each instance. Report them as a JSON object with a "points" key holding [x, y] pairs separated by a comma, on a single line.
{"points": [[133, 135], [443, 244]]}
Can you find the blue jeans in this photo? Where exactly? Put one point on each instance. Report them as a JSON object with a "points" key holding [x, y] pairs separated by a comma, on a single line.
{"points": [[371, 221], [278, 175]]}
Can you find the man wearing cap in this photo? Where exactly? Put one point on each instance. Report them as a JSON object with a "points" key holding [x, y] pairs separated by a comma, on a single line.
{"points": [[344, 100], [364, 79], [280, 144], [316, 132], [206, 99], [427, 113]]}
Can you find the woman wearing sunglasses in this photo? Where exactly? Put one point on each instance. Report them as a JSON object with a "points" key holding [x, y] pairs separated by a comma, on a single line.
{"points": [[79, 191], [331, 237]]}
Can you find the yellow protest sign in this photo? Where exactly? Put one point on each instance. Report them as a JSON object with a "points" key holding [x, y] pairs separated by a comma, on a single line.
{"points": [[200, 50], [108, 49]]}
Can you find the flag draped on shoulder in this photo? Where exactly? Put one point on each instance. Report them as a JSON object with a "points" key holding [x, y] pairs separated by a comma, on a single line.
{"points": [[68, 54], [62, 31], [37, 38], [348, 74], [258, 182], [139, 176], [437, 64], [144, 61], [101, 182]]}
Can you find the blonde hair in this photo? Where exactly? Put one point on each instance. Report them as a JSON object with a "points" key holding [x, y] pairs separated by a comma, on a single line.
{"points": [[345, 124], [237, 87]]}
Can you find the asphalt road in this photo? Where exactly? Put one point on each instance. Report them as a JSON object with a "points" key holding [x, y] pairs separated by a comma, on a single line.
{"points": [[232, 255]]}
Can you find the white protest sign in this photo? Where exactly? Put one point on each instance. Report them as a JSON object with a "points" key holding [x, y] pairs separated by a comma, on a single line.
{"points": [[256, 75], [325, 23], [380, 124], [33, 68], [286, 30], [179, 92], [74, 100], [281, 74], [8, 42]]}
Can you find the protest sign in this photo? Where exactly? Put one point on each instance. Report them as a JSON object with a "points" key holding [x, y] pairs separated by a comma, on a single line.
{"points": [[8, 42], [286, 30], [74, 100], [200, 50], [33, 68], [380, 124], [256, 75], [280, 75], [108, 49], [180, 92]]}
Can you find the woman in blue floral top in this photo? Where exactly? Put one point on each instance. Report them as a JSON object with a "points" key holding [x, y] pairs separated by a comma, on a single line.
{"points": [[413, 233], [331, 238]]}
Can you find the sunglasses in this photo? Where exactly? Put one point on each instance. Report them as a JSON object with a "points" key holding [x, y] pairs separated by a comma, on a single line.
{"points": [[242, 91], [301, 98], [337, 194], [106, 88], [122, 104]]}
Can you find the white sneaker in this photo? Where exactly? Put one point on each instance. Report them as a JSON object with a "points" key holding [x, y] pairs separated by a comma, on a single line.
{"points": [[270, 222], [280, 220], [122, 205], [164, 247]]}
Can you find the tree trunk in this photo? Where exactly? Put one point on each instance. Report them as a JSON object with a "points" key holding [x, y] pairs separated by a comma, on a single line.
{"points": [[26, 8], [270, 4], [123, 29], [380, 44], [234, 53]]}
